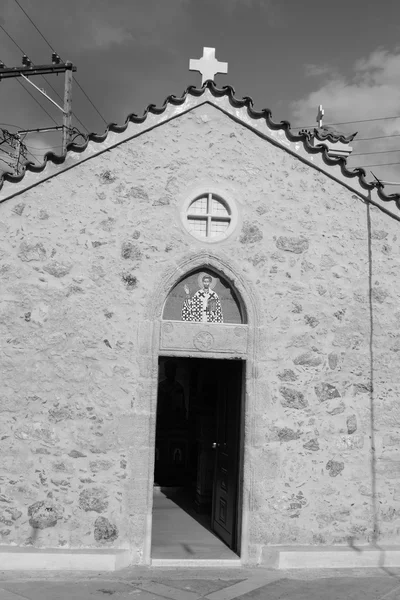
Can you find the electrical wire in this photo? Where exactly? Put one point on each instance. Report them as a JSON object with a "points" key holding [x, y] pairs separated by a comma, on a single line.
{"points": [[85, 94], [37, 102], [11, 125], [62, 100], [33, 155], [12, 39], [5, 152], [39, 32], [377, 165], [52, 49], [379, 137], [44, 147], [378, 152], [350, 122], [11, 165]]}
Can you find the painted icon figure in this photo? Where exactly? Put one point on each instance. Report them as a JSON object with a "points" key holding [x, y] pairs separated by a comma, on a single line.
{"points": [[204, 306]]}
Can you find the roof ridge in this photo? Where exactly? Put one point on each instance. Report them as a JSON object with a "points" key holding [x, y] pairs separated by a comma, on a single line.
{"points": [[326, 133], [304, 136]]}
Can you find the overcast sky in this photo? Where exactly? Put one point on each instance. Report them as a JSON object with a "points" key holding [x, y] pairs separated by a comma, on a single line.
{"points": [[288, 55]]}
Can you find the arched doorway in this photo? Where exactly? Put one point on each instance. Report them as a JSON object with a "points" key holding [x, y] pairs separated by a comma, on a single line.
{"points": [[198, 449], [212, 361]]}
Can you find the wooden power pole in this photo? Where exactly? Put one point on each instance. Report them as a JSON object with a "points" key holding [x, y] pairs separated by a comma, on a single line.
{"points": [[67, 113], [57, 66]]}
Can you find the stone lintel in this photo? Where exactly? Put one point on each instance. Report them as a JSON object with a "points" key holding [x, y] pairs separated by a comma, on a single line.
{"points": [[212, 339]]}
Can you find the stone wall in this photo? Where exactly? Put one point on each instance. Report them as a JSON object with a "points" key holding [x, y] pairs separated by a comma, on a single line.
{"points": [[81, 256]]}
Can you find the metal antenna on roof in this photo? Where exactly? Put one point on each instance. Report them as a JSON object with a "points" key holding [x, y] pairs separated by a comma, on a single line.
{"points": [[320, 115], [208, 65], [383, 183]]}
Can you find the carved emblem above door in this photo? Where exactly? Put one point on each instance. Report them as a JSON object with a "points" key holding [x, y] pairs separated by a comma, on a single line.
{"points": [[211, 338]]}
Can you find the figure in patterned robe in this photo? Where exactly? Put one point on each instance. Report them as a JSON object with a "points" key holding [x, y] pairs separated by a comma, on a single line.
{"points": [[204, 306]]}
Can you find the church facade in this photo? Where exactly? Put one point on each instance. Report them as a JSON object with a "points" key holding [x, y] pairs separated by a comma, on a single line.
{"points": [[205, 234]]}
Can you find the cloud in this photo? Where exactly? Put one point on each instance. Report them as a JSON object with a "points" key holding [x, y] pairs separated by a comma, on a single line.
{"points": [[371, 91], [85, 25], [312, 70], [380, 67], [102, 35], [153, 23]]}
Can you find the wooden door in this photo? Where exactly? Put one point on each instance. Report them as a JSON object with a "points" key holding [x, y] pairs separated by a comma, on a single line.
{"points": [[226, 478]]}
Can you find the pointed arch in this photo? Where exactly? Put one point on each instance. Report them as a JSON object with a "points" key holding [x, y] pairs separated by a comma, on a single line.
{"points": [[223, 267], [246, 343]]}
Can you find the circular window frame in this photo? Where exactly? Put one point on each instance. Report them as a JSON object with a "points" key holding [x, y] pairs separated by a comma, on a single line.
{"points": [[225, 199]]}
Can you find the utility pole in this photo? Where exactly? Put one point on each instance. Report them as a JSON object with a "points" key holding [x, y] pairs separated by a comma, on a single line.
{"points": [[17, 150], [57, 66], [67, 114]]}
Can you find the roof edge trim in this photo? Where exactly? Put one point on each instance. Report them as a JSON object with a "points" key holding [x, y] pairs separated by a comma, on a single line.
{"points": [[303, 136]]}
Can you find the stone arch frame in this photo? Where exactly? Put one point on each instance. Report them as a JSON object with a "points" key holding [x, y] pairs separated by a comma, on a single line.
{"points": [[149, 349], [248, 300]]}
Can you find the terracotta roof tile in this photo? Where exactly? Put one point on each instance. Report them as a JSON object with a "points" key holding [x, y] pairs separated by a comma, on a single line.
{"points": [[329, 134], [304, 136]]}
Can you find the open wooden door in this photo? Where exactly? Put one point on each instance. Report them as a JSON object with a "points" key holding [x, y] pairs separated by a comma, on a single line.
{"points": [[226, 479]]}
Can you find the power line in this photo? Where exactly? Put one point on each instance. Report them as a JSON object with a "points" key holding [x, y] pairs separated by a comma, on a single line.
{"points": [[379, 137], [6, 152], [83, 91], [12, 39], [43, 148], [33, 155], [11, 125], [350, 122], [378, 152], [378, 165], [39, 32], [62, 100], [11, 165], [51, 47], [37, 102]]}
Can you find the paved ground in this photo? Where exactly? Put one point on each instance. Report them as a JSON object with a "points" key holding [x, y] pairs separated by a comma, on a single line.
{"points": [[212, 584]]}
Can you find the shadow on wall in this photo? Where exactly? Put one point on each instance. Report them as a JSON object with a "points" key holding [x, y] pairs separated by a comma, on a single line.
{"points": [[375, 523]]}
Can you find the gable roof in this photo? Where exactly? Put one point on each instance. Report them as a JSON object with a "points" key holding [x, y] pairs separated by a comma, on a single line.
{"points": [[300, 144]]}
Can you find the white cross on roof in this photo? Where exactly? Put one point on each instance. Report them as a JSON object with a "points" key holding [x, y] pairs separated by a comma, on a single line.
{"points": [[208, 65]]}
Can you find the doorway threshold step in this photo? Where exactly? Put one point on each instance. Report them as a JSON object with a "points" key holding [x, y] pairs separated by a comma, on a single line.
{"points": [[196, 562]]}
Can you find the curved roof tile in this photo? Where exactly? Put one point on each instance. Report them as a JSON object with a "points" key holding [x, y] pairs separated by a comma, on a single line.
{"points": [[303, 136], [330, 134]]}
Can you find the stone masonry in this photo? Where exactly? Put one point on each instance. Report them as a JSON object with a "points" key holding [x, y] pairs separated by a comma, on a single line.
{"points": [[81, 257]]}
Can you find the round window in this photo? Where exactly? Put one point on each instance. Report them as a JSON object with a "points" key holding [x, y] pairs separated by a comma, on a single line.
{"points": [[209, 217]]}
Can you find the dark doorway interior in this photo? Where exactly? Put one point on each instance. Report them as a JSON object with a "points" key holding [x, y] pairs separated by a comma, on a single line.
{"points": [[198, 440]]}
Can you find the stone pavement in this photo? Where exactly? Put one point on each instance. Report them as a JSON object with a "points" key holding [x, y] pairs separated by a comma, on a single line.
{"points": [[212, 584]]}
